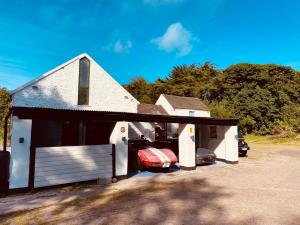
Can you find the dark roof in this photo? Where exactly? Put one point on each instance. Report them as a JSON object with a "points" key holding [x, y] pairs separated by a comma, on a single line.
{"points": [[31, 113], [180, 102], [151, 109]]}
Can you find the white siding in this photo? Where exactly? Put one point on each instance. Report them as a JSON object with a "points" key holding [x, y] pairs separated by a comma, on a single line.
{"points": [[67, 164], [60, 90]]}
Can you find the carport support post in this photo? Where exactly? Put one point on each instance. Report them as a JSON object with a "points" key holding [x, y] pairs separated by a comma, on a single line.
{"points": [[187, 147], [231, 143], [119, 137]]}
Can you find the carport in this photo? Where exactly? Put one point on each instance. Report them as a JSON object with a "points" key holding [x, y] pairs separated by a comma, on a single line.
{"points": [[118, 148]]}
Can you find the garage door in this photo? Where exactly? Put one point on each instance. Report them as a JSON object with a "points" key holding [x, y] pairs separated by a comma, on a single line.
{"points": [[67, 164]]}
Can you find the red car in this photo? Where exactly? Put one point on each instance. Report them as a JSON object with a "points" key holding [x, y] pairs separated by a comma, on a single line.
{"points": [[159, 158]]}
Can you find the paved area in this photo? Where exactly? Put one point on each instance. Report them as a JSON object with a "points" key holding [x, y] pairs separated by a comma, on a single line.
{"points": [[264, 188]]}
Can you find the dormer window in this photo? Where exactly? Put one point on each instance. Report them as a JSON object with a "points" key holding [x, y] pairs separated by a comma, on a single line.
{"points": [[84, 81]]}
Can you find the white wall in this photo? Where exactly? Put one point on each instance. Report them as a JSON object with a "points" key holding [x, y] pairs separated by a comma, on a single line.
{"points": [[20, 153], [186, 144], [121, 142], [225, 146], [186, 112], [137, 129], [60, 90], [218, 144], [67, 164], [165, 104], [231, 142]]}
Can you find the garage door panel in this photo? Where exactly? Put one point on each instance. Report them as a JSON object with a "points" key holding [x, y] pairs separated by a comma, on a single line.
{"points": [[71, 170], [60, 165], [69, 160], [57, 181], [50, 167]]}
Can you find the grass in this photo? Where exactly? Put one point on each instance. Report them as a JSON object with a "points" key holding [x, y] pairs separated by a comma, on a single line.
{"points": [[292, 139]]}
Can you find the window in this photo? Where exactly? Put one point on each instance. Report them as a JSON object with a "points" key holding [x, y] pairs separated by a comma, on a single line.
{"points": [[191, 113], [213, 132], [84, 81]]}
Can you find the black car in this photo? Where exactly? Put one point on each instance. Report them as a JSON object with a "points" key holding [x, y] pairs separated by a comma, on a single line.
{"points": [[243, 146]]}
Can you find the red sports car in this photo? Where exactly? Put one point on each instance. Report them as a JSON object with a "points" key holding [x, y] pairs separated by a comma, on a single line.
{"points": [[154, 157]]}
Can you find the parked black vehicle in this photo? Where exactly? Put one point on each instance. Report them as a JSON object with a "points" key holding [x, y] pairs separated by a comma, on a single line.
{"points": [[243, 146]]}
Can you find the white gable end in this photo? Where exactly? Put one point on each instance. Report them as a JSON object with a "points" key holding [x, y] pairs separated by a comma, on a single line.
{"points": [[59, 90]]}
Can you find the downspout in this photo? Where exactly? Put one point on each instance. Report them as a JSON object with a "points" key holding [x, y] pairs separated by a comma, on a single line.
{"points": [[6, 128]]}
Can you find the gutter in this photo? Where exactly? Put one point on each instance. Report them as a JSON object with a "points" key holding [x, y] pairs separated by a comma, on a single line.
{"points": [[6, 128]]}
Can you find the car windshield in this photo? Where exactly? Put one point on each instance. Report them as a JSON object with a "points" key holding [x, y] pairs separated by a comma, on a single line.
{"points": [[240, 135], [203, 151]]}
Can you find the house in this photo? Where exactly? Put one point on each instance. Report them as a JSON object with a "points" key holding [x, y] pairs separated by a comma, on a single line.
{"points": [[183, 106], [73, 124]]}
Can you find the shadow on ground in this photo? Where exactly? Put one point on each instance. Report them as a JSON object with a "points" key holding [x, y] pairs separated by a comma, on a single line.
{"points": [[182, 202]]}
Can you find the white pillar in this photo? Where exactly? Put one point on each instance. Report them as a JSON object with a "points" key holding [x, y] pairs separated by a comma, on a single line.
{"points": [[20, 152], [231, 143], [119, 137], [187, 146]]}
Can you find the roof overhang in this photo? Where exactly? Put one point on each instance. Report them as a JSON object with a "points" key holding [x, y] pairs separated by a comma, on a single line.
{"points": [[69, 114]]}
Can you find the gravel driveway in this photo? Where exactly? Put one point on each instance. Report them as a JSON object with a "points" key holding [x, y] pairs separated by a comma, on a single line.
{"points": [[263, 188]]}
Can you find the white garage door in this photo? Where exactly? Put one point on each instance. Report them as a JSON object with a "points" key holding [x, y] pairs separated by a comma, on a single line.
{"points": [[67, 164]]}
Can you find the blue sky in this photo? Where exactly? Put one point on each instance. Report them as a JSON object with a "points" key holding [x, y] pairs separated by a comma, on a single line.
{"points": [[144, 37]]}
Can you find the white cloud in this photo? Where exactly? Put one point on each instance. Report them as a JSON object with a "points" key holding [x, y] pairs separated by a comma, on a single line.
{"points": [[120, 47], [176, 38], [161, 2]]}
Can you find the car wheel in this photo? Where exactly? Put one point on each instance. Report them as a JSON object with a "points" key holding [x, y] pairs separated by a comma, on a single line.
{"points": [[243, 154], [139, 164]]}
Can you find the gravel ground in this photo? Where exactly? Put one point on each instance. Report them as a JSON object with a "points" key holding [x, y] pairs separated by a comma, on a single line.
{"points": [[264, 188]]}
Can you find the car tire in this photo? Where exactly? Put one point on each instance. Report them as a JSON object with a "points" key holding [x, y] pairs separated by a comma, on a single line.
{"points": [[243, 154], [139, 165]]}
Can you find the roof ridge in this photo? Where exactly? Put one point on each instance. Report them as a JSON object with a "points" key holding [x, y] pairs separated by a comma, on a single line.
{"points": [[48, 73]]}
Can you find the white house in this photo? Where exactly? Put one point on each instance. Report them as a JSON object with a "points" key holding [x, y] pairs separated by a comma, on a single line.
{"points": [[73, 124]]}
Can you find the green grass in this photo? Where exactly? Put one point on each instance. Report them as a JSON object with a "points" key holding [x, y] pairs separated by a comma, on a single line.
{"points": [[291, 139]]}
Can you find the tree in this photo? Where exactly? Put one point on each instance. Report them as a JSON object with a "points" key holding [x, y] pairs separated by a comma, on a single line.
{"points": [[140, 89], [4, 107]]}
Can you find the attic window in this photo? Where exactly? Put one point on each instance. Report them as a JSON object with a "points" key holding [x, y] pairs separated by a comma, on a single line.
{"points": [[84, 81]]}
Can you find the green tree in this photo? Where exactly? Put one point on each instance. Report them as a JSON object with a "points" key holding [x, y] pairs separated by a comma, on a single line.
{"points": [[4, 107]]}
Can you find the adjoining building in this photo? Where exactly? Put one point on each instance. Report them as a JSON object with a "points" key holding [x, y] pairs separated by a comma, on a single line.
{"points": [[73, 124]]}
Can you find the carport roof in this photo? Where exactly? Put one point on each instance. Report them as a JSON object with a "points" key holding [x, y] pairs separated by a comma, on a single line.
{"points": [[44, 113]]}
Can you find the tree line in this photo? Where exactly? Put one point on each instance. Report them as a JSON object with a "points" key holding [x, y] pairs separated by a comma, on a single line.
{"points": [[266, 98]]}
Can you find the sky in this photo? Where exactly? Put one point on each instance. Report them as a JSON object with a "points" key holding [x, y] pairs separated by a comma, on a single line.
{"points": [[144, 37]]}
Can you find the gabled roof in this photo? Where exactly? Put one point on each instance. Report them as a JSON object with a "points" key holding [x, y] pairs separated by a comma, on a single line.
{"points": [[151, 109], [180, 102], [64, 65], [50, 72]]}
